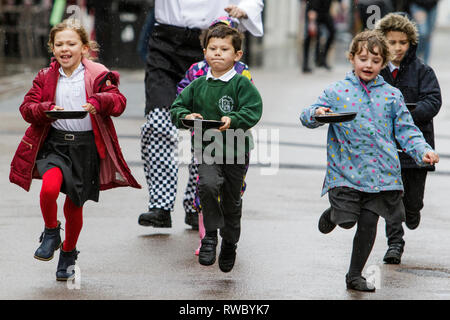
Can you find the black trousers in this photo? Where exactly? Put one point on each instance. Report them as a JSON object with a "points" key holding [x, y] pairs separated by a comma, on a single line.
{"points": [[171, 51], [220, 197], [321, 52], [414, 185]]}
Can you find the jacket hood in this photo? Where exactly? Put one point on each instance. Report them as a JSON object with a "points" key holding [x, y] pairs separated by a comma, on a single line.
{"points": [[409, 56], [96, 67], [378, 81]]}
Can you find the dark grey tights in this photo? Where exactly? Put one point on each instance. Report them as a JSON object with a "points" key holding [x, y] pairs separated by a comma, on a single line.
{"points": [[363, 242]]}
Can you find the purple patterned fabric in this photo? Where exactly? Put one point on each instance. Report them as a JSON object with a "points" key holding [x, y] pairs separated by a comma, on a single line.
{"points": [[201, 69]]}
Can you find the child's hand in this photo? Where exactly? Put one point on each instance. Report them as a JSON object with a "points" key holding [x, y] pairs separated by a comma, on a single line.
{"points": [[227, 123], [312, 29], [55, 108], [89, 108], [193, 116], [431, 157], [236, 12], [322, 110]]}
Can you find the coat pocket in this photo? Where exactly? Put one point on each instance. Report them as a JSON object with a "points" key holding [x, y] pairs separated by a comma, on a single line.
{"points": [[24, 156], [30, 145]]}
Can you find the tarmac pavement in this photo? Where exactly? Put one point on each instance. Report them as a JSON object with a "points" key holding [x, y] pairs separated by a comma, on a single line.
{"points": [[281, 254]]}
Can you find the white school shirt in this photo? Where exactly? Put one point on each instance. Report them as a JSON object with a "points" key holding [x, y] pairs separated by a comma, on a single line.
{"points": [[392, 66], [71, 95], [201, 13], [225, 77]]}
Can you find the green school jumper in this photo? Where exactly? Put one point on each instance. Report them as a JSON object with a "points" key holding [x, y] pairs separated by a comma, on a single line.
{"points": [[238, 99]]}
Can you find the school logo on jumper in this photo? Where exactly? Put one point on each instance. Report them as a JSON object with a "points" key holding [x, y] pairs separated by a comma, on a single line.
{"points": [[226, 104]]}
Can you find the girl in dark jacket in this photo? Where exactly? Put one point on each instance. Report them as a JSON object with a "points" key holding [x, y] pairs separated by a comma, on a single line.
{"points": [[420, 88], [78, 157]]}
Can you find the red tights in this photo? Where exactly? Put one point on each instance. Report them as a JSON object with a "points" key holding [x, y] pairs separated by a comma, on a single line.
{"points": [[51, 186]]}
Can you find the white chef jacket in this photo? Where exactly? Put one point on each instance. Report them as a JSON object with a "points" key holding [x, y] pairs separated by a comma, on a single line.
{"points": [[201, 13]]}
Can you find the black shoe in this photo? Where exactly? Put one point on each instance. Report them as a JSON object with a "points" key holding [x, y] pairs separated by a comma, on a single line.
{"points": [[157, 218], [306, 70], [325, 65], [50, 242], [207, 253], [412, 220], [347, 225], [325, 224], [227, 256], [359, 284], [66, 260], [394, 254], [192, 220]]}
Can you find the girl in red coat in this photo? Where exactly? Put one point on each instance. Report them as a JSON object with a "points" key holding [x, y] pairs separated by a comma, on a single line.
{"points": [[78, 157]]}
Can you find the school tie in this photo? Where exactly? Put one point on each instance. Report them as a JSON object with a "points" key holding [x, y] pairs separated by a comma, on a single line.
{"points": [[394, 73]]}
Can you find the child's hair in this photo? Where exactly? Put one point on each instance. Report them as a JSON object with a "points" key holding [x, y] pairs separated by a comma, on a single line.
{"points": [[76, 26], [398, 22], [224, 20], [370, 39], [222, 31]]}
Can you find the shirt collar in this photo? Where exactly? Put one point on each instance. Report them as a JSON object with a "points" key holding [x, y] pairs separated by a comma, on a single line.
{"points": [[392, 67], [77, 71], [225, 77]]}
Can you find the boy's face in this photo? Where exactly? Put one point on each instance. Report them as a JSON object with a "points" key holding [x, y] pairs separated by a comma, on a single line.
{"points": [[220, 55], [68, 50], [367, 65], [398, 44]]}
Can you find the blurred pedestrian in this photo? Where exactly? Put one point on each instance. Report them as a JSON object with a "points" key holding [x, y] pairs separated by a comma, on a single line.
{"points": [[401, 6], [173, 47], [317, 15], [368, 15], [201, 68], [424, 13], [78, 157], [227, 96], [420, 88], [363, 177], [146, 31]]}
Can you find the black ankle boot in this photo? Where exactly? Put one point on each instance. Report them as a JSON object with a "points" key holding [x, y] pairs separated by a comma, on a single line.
{"points": [[207, 253], [50, 242], [158, 218], [66, 259], [227, 256]]}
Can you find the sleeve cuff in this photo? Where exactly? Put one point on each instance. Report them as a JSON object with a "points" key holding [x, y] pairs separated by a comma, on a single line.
{"points": [[95, 103]]}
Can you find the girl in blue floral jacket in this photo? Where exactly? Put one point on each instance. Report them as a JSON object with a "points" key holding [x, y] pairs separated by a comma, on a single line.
{"points": [[363, 178]]}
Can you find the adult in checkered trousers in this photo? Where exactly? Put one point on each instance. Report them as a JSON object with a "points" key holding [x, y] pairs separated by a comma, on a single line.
{"points": [[173, 47]]}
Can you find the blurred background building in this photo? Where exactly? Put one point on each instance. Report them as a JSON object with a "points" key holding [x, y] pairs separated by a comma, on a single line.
{"points": [[118, 24]]}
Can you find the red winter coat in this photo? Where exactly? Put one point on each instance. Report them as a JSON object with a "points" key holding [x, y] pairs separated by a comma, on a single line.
{"points": [[107, 100]]}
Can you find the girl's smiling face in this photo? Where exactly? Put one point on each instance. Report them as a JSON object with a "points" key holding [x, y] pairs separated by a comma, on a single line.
{"points": [[68, 50], [367, 65]]}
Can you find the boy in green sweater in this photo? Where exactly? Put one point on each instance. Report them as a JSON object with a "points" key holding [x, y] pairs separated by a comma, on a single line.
{"points": [[231, 98]]}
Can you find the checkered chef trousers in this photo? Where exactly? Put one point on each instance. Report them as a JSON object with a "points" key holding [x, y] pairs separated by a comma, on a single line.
{"points": [[190, 191], [159, 151]]}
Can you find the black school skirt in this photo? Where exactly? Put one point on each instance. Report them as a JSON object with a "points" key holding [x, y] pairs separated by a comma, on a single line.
{"points": [[347, 204], [75, 153]]}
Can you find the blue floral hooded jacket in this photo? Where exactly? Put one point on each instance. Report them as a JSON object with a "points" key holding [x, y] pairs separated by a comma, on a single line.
{"points": [[362, 154]]}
